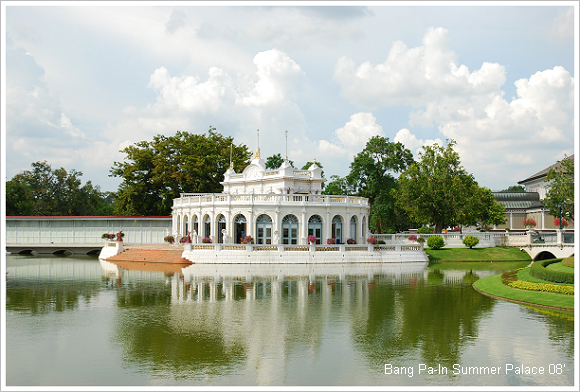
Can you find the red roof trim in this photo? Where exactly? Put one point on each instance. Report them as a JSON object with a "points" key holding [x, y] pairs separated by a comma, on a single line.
{"points": [[88, 217]]}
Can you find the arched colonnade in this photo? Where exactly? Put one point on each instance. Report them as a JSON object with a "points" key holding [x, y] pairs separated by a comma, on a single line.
{"points": [[267, 227]]}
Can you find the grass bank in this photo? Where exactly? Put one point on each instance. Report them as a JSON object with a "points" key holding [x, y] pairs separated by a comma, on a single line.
{"points": [[477, 254], [494, 287]]}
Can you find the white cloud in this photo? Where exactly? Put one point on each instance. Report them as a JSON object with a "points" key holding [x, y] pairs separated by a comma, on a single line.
{"points": [[415, 76], [562, 27], [410, 141]]}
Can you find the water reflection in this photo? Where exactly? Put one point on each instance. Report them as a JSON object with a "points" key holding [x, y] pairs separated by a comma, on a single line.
{"points": [[276, 324]]}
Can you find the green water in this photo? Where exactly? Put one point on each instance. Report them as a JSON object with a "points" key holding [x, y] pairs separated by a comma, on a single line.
{"points": [[76, 321]]}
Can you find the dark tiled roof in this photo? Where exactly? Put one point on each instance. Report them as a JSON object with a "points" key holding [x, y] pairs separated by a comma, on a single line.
{"points": [[518, 200], [543, 173]]}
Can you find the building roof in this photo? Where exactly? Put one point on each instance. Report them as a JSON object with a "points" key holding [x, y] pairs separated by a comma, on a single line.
{"points": [[518, 200], [543, 173]]}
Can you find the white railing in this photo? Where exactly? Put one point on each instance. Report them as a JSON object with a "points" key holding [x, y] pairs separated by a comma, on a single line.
{"points": [[46, 235], [305, 248], [487, 239], [196, 199]]}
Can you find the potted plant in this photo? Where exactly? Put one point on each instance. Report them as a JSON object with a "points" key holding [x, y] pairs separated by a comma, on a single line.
{"points": [[372, 240], [331, 241], [557, 222], [247, 240], [351, 241], [529, 223], [312, 239], [413, 238], [169, 239], [206, 240]]}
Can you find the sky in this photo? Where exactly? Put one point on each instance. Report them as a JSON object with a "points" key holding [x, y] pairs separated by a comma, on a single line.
{"points": [[83, 80]]}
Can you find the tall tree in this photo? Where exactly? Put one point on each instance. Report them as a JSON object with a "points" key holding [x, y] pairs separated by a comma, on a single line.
{"points": [[437, 189], [561, 189], [514, 188], [43, 191], [372, 175], [156, 172], [275, 161]]}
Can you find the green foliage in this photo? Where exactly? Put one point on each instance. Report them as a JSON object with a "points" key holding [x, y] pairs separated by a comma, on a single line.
{"points": [[438, 190], [372, 176], [43, 191], [470, 241], [275, 161], [561, 189], [549, 288], [425, 230], [435, 242], [338, 186], [515, 188], [156, 172], [538, 270]]}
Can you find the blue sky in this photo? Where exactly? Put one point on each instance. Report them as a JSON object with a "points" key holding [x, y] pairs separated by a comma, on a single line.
{"points": [[83, 81]]}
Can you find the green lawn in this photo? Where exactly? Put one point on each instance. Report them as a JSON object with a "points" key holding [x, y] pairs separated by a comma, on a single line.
{"points": [[479, 265], [560, 267], [494, 286], [568, 261], [478, 254]]}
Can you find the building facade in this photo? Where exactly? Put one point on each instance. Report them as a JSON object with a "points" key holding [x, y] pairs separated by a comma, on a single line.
{"points": [[280, 206]]}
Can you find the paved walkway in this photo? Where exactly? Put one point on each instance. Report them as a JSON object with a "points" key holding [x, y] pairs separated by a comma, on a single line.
{"points": [[151, 254]]}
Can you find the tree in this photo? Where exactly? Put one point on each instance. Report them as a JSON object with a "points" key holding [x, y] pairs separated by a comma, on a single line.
{"points": [[372, 175], [275, 161], [514, 188], [156, 172], [338, 186], [437, 189], [43, 191], [561, 189]]}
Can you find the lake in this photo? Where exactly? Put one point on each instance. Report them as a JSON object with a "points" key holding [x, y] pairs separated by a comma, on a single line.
{"points": [[78, 321]]}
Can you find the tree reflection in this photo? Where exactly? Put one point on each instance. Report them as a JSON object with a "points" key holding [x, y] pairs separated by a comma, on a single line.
{"points": [[437, 320]]}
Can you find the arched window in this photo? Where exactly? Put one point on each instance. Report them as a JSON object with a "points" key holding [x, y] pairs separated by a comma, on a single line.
{"points": [[290, 229], [264, 229], [221, 225], [315, 227], [353, 228], [207, 226], [239, 228], [195, 224], [337, 228], [185, 224]]}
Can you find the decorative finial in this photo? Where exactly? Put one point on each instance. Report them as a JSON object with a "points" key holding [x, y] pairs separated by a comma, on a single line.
{"points": [[286, 144], [257, 156]]}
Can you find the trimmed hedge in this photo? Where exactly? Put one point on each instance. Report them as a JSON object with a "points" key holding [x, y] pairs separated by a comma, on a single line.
{"points": [[539, 271], [549, 288]]}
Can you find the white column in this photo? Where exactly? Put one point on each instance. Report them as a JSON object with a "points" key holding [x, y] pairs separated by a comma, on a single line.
{"points": [[303, 227]]}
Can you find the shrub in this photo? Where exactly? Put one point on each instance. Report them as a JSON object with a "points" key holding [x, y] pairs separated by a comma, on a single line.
{"points": [[350, 241], [413, 237], [425, 230], [330, 241], [372, 240], [421, 240], [538, 270], [381, 242], [470, 241], [435, 242], [206, 240], [170, 239], [546, 287]]}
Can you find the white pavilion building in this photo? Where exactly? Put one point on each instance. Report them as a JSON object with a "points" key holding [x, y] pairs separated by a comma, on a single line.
{"points": [[281, 206]]}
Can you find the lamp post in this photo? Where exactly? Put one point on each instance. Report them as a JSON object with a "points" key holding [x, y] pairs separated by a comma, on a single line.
{"points": [[560, 205]]}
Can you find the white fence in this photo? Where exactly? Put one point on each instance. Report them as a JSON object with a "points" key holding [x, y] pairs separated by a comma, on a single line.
{"points": [[85, 230]]}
